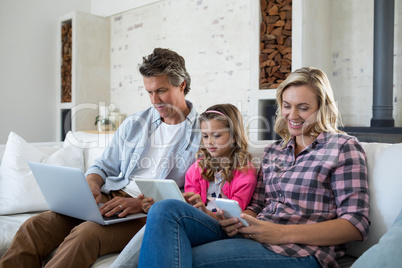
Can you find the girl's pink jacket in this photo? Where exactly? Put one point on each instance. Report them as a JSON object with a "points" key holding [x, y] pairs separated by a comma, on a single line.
{"points": [[241, 188]]}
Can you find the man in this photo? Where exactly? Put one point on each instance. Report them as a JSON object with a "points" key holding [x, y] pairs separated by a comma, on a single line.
{"points": [[159, 143]]}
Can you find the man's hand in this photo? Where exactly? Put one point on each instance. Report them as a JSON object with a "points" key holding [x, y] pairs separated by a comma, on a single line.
{"points": [[95, 183], [124, 205]]}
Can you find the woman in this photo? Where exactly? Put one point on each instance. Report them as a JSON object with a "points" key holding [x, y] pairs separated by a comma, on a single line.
{"points": [[311, 196]]}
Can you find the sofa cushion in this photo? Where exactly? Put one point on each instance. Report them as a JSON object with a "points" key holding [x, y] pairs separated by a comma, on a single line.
{"points": [[385, 184], [387, 253], [19, 191], [9, 227]]}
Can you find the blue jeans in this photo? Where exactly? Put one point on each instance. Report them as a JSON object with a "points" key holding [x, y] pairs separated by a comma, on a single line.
{"points": [[179, 235]]}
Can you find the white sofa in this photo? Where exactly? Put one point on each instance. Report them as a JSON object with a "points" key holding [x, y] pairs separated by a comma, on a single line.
{"points": [[385, 182]]}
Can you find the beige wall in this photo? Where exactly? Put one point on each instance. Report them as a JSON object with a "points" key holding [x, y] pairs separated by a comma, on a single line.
{"points": [[28, 66]]}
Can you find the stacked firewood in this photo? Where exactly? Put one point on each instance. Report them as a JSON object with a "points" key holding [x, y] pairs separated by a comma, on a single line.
{"points": [[66, 33], [275, 42]]}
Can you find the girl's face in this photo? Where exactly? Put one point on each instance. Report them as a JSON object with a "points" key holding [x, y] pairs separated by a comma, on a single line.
{"points": [[216, 138], [299, 109]]}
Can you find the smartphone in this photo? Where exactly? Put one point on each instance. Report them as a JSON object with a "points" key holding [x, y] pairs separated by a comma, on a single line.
{"points": [[231, 209]]}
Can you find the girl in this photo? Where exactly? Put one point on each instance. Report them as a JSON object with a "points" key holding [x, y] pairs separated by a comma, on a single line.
{"points": [[223, 168]]}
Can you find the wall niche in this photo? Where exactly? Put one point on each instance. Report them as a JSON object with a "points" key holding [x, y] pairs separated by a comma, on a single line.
{"points": [[275, 42]]}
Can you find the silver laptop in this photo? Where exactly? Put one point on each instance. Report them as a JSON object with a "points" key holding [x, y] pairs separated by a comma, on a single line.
{"points": [[160, 189], [67, 192]]}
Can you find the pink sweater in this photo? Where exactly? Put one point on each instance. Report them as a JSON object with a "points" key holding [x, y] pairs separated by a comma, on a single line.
{"points": [[241, 188]]}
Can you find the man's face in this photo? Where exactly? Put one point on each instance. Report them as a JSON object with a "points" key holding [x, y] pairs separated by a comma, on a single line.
{"points": [[168, 100]]}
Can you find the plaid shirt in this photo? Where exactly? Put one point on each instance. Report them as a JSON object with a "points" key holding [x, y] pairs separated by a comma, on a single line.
{"points": [[327, 180]]}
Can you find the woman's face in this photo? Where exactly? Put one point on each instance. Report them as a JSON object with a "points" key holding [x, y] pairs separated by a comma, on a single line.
{"points": [[299, 109], [216, 138]]}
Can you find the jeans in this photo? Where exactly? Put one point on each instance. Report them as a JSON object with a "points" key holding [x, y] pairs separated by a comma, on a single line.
{"points": [[179, 235]]}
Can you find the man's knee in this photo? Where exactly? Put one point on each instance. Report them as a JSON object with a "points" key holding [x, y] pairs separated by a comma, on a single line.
{"points": [[40, 220], [87, 232]]}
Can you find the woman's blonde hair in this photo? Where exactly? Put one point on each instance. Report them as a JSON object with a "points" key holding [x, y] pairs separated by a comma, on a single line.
{"points": [[239, 158], [327, 116]]}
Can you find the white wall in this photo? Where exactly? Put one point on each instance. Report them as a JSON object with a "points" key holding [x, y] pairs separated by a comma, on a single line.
{"points": [[316, 34], [213, 37], [352, 59], [106, 8], [28, 66], [337, 37], [398, 64], [339, 40]]}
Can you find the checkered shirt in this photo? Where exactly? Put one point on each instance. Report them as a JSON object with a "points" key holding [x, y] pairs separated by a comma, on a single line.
{"points": [[327, 180]]}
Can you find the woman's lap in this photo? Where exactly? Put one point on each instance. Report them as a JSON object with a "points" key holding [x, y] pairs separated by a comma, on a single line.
{"points": [[185, 235]]}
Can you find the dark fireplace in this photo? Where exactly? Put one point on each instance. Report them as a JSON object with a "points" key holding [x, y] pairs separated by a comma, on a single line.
{"points": [[65, 122]]}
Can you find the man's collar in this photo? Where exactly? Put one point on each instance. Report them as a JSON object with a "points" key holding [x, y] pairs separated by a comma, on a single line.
{"points": [[192, 116]]}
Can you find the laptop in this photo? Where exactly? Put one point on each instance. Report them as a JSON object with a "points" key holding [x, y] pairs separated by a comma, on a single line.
{"points": [[160, 189], [67, 192]]}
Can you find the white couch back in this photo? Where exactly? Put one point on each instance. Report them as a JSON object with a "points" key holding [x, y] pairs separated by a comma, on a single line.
{"points": [[385, 189], [92, 145]]}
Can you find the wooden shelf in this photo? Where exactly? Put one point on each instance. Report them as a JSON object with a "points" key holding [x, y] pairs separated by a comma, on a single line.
{"points": [[90, 72]]}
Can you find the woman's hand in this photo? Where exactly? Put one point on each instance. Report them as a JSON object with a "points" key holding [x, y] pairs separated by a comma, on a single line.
{"points": [[262, 231], [195, 200], [124, 205], [146, 202], [231, 226]]}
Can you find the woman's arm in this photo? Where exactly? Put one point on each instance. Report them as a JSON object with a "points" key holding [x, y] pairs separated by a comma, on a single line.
{"points": [[332, 232]]}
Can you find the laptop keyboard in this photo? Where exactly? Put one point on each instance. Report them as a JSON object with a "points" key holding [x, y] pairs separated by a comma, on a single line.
{"points": [[113, 217]]}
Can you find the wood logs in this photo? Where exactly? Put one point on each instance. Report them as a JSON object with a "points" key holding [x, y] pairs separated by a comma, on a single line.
{"points": [[275, 42], [66, 43]]}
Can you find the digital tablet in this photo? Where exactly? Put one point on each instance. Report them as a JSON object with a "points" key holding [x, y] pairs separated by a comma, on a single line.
{"points": [[160, 189], [231, 209]]}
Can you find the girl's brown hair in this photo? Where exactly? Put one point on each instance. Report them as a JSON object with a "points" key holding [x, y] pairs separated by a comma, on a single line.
{"points": [[239, 158]]}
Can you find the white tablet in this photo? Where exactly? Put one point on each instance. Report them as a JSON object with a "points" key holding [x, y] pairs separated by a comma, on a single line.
{"points": [[160, 189], [231, 209]]}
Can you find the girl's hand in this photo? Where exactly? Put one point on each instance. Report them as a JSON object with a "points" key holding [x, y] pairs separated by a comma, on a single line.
{"points": [[146, 202], [195, 200]]}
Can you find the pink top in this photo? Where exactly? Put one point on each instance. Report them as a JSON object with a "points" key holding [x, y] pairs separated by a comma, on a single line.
{"points": [[241, 188]]}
